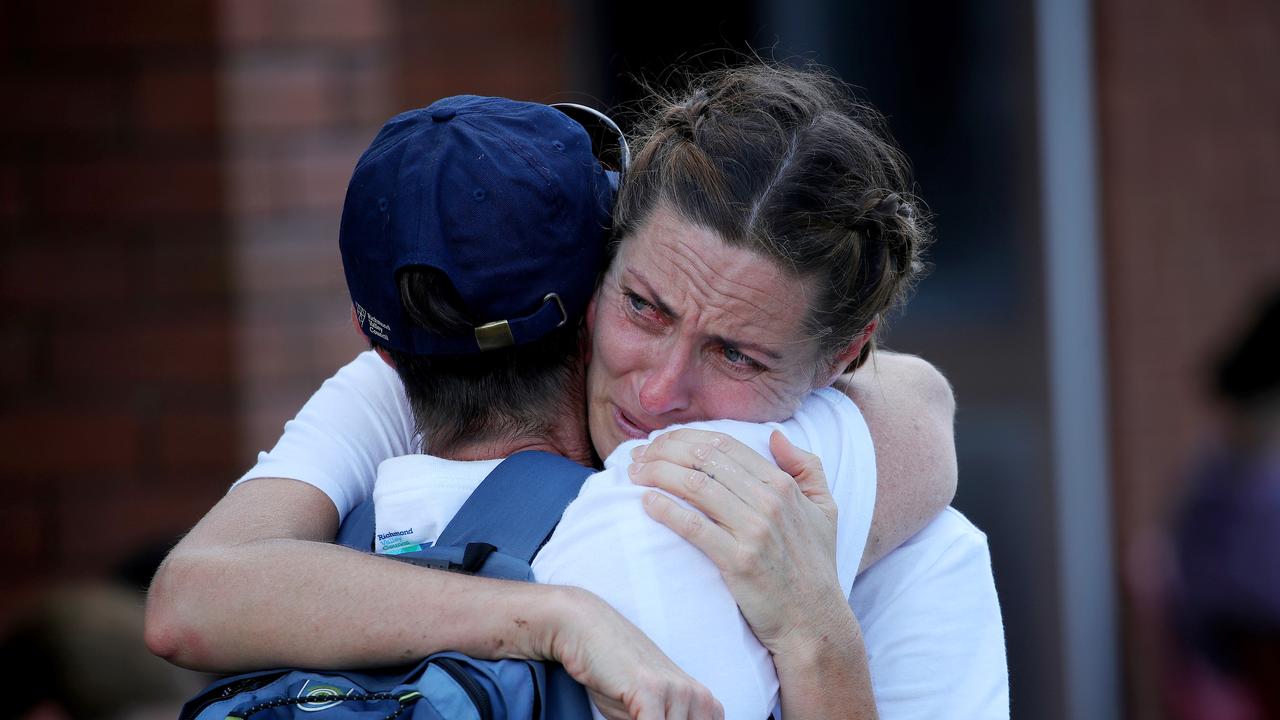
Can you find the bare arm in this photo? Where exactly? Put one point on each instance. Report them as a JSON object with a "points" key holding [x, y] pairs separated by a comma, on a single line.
{"points": [[254, 585], [910, 409]]}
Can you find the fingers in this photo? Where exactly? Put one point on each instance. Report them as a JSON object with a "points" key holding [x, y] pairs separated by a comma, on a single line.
{"points": [[650, 711], [677, 701], [710, 708], [805, 467], [695, 704], [696, 487], [691, 525], [739, 468], [678, 706], [706, 442]]}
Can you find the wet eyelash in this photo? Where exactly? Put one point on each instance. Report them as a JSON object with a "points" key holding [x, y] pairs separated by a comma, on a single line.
{"points": [[633, 300], [749, 362]]}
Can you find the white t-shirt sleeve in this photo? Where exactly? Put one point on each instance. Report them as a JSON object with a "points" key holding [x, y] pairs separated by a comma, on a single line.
{"points": [[931, 622], [358, 418]]}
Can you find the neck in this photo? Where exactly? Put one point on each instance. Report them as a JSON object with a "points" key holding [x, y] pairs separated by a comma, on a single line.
{"points": [[569, 439], [566, 433], [575, 450]]}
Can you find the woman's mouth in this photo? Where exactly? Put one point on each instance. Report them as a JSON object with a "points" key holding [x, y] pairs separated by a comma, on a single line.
{"points": [[627, 425]]}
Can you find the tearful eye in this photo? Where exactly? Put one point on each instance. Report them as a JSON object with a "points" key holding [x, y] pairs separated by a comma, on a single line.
{"points": [[736, 357], [638, 304]]}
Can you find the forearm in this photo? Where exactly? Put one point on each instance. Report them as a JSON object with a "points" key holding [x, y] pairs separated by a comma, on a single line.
{"points": [[256, 584], [276, 602], [825, 674]]}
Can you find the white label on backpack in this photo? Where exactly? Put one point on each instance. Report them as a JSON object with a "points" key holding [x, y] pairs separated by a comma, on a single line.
{"points": [[320, 697]]}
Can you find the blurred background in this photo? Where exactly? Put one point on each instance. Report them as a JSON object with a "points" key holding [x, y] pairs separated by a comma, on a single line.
{"points": [[1104, 177]]}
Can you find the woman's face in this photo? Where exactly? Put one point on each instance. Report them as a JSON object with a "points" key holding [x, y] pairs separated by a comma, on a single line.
{"points": [[685, 327]]}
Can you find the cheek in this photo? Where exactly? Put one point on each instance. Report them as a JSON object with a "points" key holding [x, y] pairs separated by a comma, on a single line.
{"points": [[617, 346], [761, 400], [745, 401]]}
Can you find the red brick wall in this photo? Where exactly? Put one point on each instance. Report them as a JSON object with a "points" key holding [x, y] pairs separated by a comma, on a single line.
{"points": [[308, 84], [116, 420], [305, 88], [1190, 161], [171, 179]]}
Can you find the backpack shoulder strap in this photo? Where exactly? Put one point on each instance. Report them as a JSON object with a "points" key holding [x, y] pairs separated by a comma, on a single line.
{"points": [[357, 528], [518, 504]]}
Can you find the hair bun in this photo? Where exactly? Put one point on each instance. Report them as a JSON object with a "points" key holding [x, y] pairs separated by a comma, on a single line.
{"points": [[683, 119], [892, 205]]}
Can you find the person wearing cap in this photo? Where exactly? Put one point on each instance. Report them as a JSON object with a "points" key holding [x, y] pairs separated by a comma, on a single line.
{"points": [[466, 381], [209, 549]]}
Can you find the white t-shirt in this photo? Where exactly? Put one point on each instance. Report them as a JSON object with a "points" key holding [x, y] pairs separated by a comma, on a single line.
{"points": [[928, 610], [607, 544]]}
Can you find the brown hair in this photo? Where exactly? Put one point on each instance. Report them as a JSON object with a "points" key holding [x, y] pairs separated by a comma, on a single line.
{"points": [[787, 163], [522, 391]]}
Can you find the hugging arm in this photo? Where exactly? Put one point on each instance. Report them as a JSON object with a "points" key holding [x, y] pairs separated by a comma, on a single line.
{"points": [[773, 534], [255, 585], [771, 531], [910, 410], [257, 582]]}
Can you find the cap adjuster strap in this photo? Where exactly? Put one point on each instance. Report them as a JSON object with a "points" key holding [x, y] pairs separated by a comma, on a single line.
{"points": [[564, 316], [494, 335], [499, 334]]}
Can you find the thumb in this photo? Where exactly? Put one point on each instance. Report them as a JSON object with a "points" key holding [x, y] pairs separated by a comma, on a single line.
{"points": [[805, 467]]}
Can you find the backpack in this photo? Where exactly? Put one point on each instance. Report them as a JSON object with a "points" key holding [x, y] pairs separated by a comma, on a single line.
{"points": [[496, 534]]}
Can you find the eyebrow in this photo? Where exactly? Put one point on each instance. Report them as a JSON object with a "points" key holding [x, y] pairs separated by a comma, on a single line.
{"points": [[653, 294], [666, 310]]}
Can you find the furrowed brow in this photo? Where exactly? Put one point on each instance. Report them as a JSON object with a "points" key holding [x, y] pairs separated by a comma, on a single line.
{"points": [[657, 301], [653, 295]]}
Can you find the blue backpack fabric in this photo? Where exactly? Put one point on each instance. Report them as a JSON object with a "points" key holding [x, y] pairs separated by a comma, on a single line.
{"points": [[496, 534]]}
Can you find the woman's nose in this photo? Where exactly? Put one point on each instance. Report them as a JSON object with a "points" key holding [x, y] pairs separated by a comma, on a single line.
{"points": [[665, 389]]}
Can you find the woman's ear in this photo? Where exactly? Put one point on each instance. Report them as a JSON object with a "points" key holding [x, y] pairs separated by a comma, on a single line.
{"points": [[840, 363]]}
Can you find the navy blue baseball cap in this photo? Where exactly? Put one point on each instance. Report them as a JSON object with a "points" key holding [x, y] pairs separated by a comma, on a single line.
{"points": [[505, 198]]}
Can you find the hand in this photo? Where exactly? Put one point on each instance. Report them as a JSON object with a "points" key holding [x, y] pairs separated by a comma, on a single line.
{"points": [[625, 674], [771, 530]]}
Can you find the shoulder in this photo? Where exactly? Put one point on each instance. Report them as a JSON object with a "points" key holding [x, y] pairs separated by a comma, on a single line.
{"points": [[355, 420], [926, 383], [368, 374]]}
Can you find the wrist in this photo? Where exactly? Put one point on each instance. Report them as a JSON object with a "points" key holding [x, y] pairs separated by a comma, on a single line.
{"points": [[811, 617], [567, 610], [523, 620], [827, 675], [830, 635]]}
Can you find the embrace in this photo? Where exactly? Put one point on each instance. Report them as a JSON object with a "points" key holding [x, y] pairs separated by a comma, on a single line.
{"points": [[786, 548]]}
